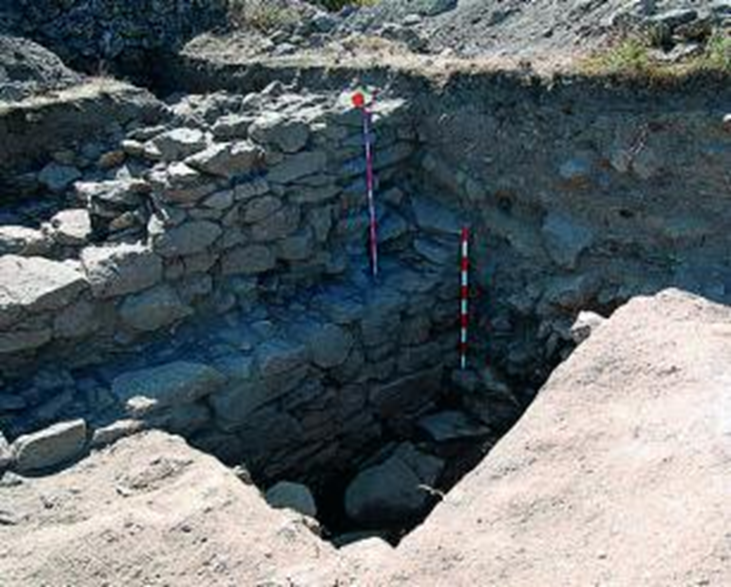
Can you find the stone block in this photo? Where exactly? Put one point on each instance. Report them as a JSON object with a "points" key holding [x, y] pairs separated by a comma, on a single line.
{"points": [[50, 447], [153, 309], [120, 269]]}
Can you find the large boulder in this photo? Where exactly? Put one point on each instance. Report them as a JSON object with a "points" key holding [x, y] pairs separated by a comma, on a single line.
{"points": [[394, 491], [172, 384], [189, 238], [50, 447], [34, 284], [71, 227], [121, 269]]}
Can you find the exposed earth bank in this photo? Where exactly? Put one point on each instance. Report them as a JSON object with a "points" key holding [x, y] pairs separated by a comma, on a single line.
{"points": [[618, 474]]}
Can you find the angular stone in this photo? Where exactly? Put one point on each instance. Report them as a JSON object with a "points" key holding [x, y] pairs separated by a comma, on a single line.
{"points": [[50, 447], [282, 132], [260, 208], [23, 340], [392, 227], [58, 177], [113, 432], [278, 356], [437, 252], [394, 491], [232, 126], [71, 227], [281, 223], [121, 269], [227, 159], [181, 184], [451, 425], [189, 238], [296, 166], [408, 394], [220, 200], [178, 143], [313, 195], [77, 320], [565, 239], [433, 216], [6, 456], [23, 241], [153, 309], [117, 194], [34, 284], [329, 345], [251, 189], [298, 247], [172, 384], [249, 260], [293, 496]]}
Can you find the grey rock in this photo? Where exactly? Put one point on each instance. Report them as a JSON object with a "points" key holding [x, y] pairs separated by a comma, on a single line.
{"points": [[297, 247], [76, 320], [293, 496], [50, 447], [329, 345], [153, 309], [585, 325], [34, 284], [565, 239], [260, 208], [576, 171], [451, 425], [232, 126], [433, 216], [181, 184], [114, 195], [394, 491], [121, 269], [227, 159], [172, 384], [392, 227], [58, 177], [24, 340], [176, 144], [437, 252], [278, 225], [296, 166], [27, 242], [249, 260], [220, 200], [113, 432], [189, 238], [279, 356], [251, 189], [280, 131], [71, 227], [6, 455]]}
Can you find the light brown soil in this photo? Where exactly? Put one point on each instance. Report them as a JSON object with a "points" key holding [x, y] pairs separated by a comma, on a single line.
{"points": [[618, 475]]}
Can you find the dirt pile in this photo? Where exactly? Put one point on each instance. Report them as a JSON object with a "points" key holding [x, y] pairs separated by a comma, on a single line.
{"points": [[618, 473]]}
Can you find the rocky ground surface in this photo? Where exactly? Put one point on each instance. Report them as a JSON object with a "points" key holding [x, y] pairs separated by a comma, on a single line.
{"points": [[618, 474]]}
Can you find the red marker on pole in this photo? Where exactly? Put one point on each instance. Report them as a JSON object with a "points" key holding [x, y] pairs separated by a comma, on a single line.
{"points": [[464, 316], [359, 102]]}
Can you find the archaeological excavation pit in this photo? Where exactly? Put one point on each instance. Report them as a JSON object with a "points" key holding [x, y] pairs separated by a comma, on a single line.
{"points": [[201, 265]]}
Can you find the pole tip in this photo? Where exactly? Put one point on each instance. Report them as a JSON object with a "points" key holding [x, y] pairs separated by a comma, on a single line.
{"points": [[359, 100]]}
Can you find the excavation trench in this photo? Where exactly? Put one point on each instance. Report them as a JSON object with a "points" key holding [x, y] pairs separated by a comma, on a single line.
{"points": [[222, 287]]}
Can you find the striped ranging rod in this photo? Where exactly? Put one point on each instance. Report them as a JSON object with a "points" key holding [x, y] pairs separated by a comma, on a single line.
{"points": [[464, 298], [359, 101]]}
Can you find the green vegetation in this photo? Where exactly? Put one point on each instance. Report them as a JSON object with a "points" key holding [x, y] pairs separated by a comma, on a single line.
{"points": [[637, 56], [263, 15]]}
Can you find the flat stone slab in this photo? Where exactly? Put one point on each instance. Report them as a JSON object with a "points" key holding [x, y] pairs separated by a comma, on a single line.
{"points": [[34, 284], [52, 446], [173, 384], [451, 425], [121, 269]]}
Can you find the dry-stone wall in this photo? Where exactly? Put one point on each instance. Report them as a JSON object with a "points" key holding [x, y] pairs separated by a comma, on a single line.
{"points": [[213, 279]]}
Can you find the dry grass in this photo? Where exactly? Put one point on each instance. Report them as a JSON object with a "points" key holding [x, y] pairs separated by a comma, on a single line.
{"points": [[633, 57]]}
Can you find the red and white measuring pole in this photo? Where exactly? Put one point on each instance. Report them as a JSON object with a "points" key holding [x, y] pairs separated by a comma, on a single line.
{"points": [[360, 103], [464, 310]]}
